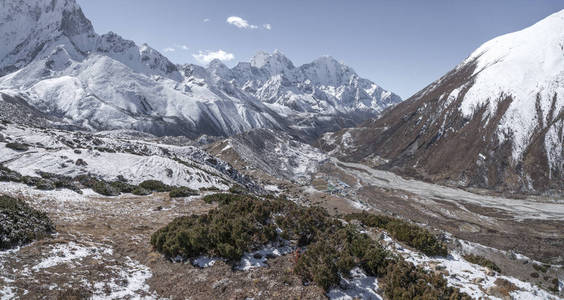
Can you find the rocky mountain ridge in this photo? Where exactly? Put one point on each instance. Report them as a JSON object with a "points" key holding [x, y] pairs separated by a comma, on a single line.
{"points": [[55, 61]]}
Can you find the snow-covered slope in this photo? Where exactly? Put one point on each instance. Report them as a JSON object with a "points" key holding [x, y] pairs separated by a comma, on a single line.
{"points": [[496, 120], [52, 57], [110, 156], [527, 66]]}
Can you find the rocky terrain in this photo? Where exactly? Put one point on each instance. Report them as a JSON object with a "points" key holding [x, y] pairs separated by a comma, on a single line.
{"points": [[275, 153]]}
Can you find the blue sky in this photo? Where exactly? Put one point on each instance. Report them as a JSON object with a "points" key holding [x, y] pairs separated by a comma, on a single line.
{"points": [[401, 45]]}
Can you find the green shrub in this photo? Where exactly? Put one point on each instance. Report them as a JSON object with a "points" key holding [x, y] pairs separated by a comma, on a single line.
{"points": [[554, 287], [228, 231], [155, 186], [329, 249], [319, 264], [45, 185], [104, 188], [417, 238], [17, 146], [86, 180], [140, 191], [210, 189], [182, 192], [237, 189], [541, 268], [337, 254], [374, 261], [21, 224], [405, 281], [306, 224], [123, 187], [222, 198], [413, 235], [482, 261], [9, 175], [30, 180]]}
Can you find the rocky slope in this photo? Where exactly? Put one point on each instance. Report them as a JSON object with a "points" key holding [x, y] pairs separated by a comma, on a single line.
{"points": [[274, 152], [53, 60], [495, 121]]}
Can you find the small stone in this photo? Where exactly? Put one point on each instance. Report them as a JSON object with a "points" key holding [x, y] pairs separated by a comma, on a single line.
{"points": [[477, 280], [440, 267]]}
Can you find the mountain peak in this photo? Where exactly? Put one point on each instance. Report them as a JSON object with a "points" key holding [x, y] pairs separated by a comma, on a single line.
{"points": [[28, 24], [495, 120], [275, 63], [216, 63], [327, 70]]}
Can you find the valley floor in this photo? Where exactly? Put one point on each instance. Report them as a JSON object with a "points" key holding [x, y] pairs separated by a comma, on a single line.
{"points": [[102, 246]]}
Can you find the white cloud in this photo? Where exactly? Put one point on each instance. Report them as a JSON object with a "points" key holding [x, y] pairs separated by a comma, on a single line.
{"points": [[169, 49], [206, 20], [240, 23], [267, 26], [208, 56]]}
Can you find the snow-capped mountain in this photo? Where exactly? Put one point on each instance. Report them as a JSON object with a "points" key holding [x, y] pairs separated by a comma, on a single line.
{"points": [[496, 120], [54, 60], [323, 95]]}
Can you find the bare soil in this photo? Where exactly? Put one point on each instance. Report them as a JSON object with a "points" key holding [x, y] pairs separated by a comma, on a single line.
{"points": [[125, 224]]}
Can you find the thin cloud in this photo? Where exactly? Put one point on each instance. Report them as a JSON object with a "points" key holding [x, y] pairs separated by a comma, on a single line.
{"points": [[240, 23], [169, 49], [206, 20], [208, 56], [184, 47], [267, 26]]}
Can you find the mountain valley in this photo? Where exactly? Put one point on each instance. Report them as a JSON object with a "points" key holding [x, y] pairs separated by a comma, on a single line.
{"points": [[126, 176]]}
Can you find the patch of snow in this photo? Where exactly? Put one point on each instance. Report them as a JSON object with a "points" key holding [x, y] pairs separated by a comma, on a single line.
{"points": [[347, 140], [134, 275], [358, 286], [257, 259], [272, 188], [469, 278], [7, 292], [67, 253], [205, 261], [227, 147]]}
